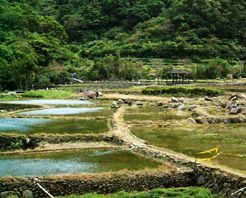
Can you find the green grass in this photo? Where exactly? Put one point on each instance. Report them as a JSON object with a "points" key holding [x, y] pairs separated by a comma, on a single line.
{"points": [[51, 94], [171, 192]]}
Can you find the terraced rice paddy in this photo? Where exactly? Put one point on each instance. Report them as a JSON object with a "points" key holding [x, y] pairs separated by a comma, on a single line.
{"points": [[191, 139], [70, 162]]}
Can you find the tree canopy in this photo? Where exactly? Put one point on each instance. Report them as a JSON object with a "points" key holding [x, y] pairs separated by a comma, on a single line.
{"points": [[44, 41]]}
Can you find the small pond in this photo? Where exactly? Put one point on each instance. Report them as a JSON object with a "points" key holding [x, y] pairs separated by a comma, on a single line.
{"points": [[62, 111], [69, 162], [54, 126], [231, 138], [51, 102]]}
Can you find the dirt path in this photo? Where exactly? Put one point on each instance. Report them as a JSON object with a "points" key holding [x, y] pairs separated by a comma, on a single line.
{"points": [[121, 130], [116, 96]]}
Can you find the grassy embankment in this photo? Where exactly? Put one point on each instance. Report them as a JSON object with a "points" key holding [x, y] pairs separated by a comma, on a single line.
{"points": [[172, 192], [41, 94]]}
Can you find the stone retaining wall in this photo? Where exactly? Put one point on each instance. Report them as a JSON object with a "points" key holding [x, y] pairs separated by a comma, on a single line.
{"points": [[218, 180], [100, 183], [13, 142]]}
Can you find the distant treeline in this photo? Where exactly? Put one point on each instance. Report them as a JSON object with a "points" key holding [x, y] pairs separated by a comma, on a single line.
{"points": [[43, 42]]}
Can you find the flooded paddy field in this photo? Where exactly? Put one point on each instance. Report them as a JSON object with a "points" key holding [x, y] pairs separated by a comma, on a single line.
{"points": [[62, 111], [148, 112], [70, 162], [63, 117], [50, 102], [52, 126], [191, 139]]}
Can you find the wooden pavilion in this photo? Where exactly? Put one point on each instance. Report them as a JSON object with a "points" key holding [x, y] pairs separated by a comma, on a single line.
{"points": [[176, 76]]}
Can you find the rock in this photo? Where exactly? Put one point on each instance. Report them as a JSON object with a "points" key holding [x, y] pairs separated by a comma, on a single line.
{"points": [[181, 100], [27, 194], [91, 94], [191, 107], [160, 104], [233, 99], [8, 194], [114, 105], [173, 99], [235, 110], [231, 105], [208, 99], [99, 94], [200, 180], [222, 104], [82, 98], [127, 101], [201, 120], [174, 105], [181, 107], [243, 111], [120, 102], [191, 120]]}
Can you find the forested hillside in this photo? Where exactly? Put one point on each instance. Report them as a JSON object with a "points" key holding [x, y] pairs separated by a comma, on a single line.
{"points": [[44, 41]]}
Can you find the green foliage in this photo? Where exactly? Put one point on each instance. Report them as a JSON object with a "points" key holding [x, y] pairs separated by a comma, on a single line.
{"points": [[87, 37], [112, 67], [182, 91], [51, 94], [170, 192]]}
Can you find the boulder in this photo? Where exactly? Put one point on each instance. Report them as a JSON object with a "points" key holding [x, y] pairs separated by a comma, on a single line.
{"points": [[235, 110], [231, 105], [120, 102], [191, 120], [208, 99], [173, 99], [181, 107], [127, 101], [90, 94], [234, 97], [191, 107], [82, 98], [181, 100], [99, 94], [201, 120], [27, 194]]}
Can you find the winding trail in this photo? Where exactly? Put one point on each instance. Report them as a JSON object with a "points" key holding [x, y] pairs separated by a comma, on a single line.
{"points": [[121, 131]]}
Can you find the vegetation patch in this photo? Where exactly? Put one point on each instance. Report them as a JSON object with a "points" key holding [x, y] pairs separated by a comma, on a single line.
{"points": [[170, 192], [182, 91], [51, 94]]}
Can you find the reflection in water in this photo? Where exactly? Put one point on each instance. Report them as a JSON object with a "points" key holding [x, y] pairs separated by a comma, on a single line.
{"points": [[84, 161], [51, 102], [52, 126], [20, 124], [62, 111]]}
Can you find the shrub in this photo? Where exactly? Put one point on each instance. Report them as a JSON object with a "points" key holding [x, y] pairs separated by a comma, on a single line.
{"points": [[180, 91]]}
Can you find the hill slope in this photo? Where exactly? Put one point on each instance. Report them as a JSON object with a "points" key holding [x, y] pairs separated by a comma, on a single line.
{"points": [[42, 42]]}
